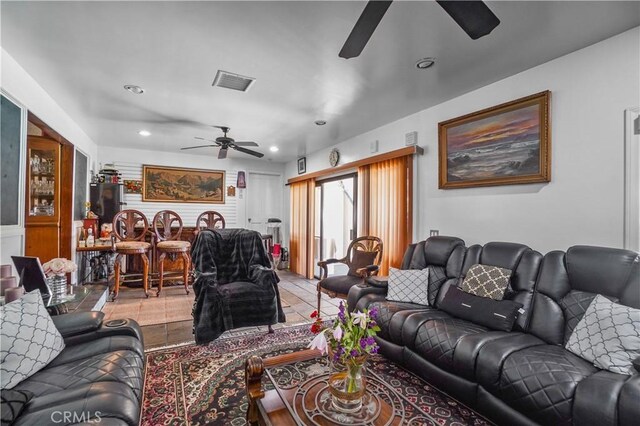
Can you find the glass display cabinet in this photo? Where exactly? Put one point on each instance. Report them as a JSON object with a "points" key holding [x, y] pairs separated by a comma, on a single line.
{"points": [[43, 180]]}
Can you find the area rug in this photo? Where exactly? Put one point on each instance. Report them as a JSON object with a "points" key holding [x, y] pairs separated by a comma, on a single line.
{"points": [[204, 385]]}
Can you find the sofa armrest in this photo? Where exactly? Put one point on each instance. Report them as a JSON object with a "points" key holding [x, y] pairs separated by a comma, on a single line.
{"points": [[78, 323], [379, 282], [359, 291]]}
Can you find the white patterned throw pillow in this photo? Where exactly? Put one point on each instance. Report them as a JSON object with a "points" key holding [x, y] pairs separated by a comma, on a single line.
{"points": [[409, 285], [607, 335], [29, 339]]}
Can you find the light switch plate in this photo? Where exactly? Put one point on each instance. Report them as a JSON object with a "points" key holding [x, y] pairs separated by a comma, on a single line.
{"points": [[434, 233], [373, 146]]}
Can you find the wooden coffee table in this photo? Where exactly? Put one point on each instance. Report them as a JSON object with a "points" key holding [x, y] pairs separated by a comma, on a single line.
{"points": [[291, 389]]}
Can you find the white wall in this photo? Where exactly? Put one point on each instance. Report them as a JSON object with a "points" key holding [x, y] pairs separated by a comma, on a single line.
{"points": [[583, 203], [130, 161], [16, 82]]}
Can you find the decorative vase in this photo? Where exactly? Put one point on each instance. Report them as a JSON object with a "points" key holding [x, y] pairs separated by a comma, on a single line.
{"points": [[58, 286], [347, 384]]}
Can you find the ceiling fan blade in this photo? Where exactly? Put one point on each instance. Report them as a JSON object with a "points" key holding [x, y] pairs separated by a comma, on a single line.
{"points": [[248, 151], [474, 17], [364, 28], [203, 139], [222, 154], [199, 146], [245, 143]]}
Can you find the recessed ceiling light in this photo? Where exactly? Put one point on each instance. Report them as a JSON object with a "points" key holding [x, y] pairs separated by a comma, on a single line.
{"points": [[134, 89], [425, 63], [320, 122], [144, 133], [274, 149]]}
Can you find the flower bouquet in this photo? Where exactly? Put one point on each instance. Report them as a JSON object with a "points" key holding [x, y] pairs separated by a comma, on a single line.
{"points": [[56, 270], [348, 342]]}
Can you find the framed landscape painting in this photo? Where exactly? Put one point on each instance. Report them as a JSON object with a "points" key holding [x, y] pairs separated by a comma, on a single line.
{"points": [[502, 145], [179, 185]]}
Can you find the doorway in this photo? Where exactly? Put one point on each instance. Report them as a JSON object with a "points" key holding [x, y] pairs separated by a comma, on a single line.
{"points": [[336, 218], [264, 200]]}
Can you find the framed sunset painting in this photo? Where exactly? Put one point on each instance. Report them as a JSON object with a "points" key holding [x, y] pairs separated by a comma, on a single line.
{"points": [[503, 145]]}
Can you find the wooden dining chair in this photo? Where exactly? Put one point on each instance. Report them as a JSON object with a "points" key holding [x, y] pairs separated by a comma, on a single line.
{"points": [[128, 239], [211, 220], [168, 243]]}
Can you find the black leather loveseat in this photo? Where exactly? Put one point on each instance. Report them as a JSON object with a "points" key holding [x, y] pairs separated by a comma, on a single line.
{"points": [[97, 379], [524, 376]]}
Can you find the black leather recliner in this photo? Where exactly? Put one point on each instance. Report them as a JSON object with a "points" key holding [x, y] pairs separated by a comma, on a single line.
{"points": [[524, 376], [98, 377]]}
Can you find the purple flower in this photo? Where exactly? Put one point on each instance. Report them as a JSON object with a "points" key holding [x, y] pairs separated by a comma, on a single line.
{"points": [[372, 324], [354, 353], [363, 343], [341, 314], [373, 312]]}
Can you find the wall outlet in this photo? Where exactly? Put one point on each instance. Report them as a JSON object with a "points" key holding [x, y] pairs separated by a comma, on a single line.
{"points": [[373, 146], [434, 233]]}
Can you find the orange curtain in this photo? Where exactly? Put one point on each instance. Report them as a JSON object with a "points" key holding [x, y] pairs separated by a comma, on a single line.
{"points": [[302, 227], [386, 194]]}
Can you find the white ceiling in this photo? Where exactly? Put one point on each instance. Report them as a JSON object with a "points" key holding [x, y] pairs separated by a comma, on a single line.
{"points": [[82, 53]]}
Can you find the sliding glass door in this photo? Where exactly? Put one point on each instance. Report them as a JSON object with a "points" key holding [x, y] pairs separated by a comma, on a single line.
{"points": [[335, 220]]}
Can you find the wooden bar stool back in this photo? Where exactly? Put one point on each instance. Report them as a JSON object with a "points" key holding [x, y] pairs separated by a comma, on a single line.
{"points": [[168, 243], [211, 220], [129, 240]]}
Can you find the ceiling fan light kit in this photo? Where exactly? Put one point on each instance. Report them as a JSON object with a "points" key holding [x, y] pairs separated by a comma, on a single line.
{"points": [[136, 90]]}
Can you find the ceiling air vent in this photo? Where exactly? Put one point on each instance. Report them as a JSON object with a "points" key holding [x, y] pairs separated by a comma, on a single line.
{"points": [[229, 80]]}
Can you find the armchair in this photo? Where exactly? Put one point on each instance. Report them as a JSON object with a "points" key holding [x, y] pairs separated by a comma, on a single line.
{"points": [[363, 258]]}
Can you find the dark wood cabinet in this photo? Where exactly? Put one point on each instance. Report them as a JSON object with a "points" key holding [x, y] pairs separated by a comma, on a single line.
{"points": [[42, 198]]}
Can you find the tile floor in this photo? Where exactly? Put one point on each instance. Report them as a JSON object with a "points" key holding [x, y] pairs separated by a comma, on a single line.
{"points": [[295, 291]]}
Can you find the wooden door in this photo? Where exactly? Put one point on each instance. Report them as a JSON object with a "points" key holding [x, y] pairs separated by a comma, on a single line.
{"points": [[42, 198]]}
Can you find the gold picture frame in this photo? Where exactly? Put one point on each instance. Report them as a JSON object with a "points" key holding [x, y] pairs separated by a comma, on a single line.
{"points": [[182, 185], [506, 144]]}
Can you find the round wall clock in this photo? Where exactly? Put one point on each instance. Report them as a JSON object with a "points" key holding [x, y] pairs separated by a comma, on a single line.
{"points": [[334, 157]]}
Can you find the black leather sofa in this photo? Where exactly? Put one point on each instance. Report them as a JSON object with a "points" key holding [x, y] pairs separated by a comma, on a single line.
{"points": [[524, 376], [97, 379]]}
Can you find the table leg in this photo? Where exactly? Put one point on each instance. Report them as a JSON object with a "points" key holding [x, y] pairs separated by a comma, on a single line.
{"points": [[254, 367]]}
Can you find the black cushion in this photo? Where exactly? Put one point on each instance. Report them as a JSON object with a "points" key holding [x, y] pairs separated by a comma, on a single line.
{"points": [[494, 314], [340, 283], [361, 259], [13, 402], [541, 381]]}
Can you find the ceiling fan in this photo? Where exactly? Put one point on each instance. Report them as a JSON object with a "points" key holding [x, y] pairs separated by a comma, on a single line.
{"points": [[473, 16], [225, 142]]}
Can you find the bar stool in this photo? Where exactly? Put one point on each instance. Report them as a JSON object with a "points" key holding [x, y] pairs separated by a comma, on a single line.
{"points": [[168, 243], [211, 219], [127, 242]]}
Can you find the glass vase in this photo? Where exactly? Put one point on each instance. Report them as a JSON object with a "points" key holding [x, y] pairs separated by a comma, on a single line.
{"points": [[58, 286], [347, 385]]}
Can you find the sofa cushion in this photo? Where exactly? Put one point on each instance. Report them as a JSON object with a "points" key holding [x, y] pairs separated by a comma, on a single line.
{"points": [[495, 314], [436, 339], [486, 281], [29, 339], [110, 359], [101, 403], [340, 283], [387, 310], [13, 402], [409, 285], [540, 381], [608, 335]]}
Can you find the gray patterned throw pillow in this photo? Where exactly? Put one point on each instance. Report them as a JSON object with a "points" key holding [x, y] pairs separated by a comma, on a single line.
{"points": [[487, 281], [608, 335], [29, 339], [409, 285]]}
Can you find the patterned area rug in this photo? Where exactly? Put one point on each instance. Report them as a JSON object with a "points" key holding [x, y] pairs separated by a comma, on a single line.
{"points": [[204, 385]]}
